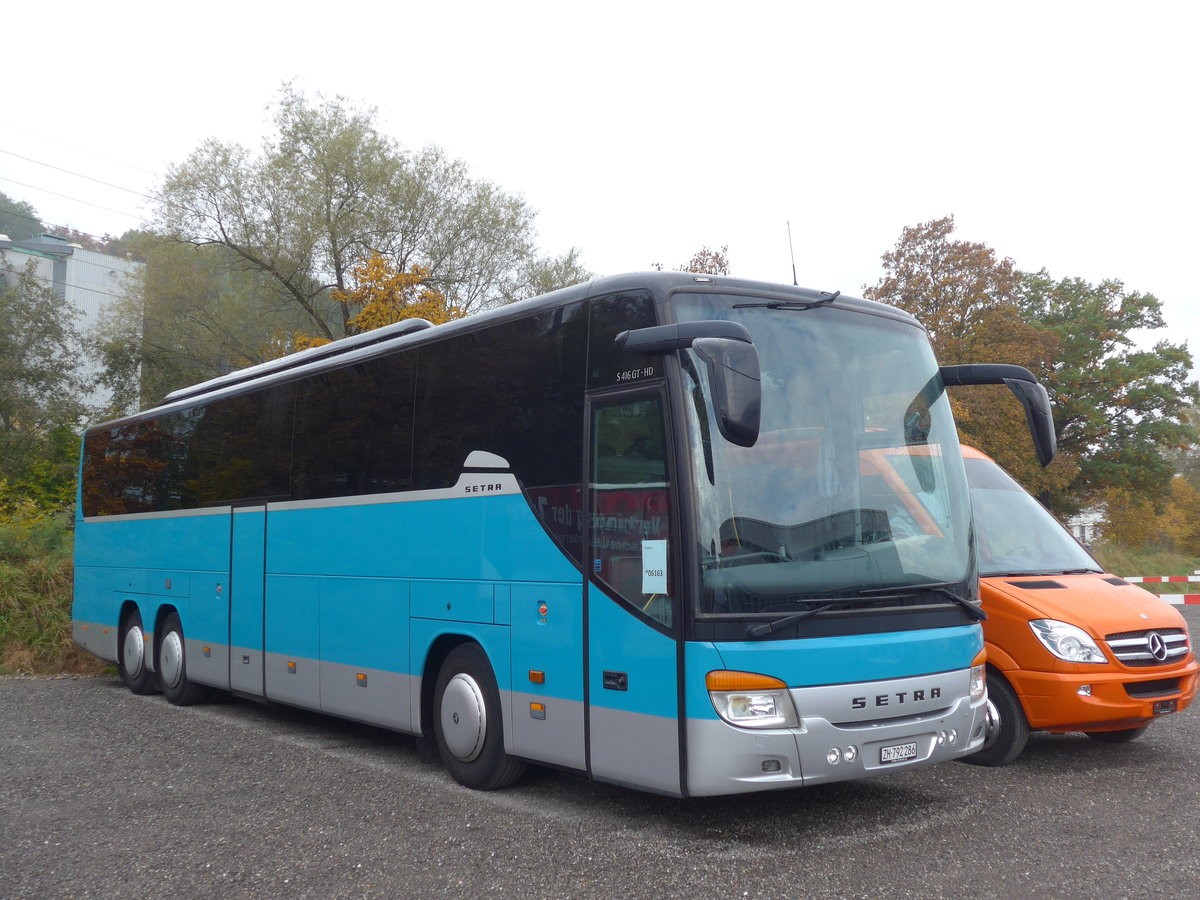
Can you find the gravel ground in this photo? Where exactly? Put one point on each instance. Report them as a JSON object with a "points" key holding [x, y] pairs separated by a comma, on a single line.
{"points": [[106, 794]]}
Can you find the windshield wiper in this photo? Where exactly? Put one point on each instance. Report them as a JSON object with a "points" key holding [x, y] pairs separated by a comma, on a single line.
{"points": [[765, 628], [939, 587], [792, 304]]}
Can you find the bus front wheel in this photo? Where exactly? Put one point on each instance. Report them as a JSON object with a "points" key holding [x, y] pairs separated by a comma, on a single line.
{"points": [[467, 722], [131, 658], [172, 667]]}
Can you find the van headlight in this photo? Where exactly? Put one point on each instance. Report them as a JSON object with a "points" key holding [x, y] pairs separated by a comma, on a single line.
{"points": [[1068, 642], [748, 700]]}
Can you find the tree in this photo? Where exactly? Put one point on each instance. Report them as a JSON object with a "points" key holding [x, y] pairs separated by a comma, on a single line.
{"points": [[705, 261], [40, 386], [966, 296], [192, 313], [18, 219], [1119, 412], [948, 285], [383, 296], [327, 190]]}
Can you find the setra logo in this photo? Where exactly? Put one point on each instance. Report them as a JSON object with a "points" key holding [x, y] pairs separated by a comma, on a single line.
{"points": [[897, 699]]}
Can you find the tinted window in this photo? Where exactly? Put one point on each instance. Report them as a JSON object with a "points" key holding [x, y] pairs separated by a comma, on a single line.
{"points": [[610, 316], [515, 390], [238, 448], [354, 430]]}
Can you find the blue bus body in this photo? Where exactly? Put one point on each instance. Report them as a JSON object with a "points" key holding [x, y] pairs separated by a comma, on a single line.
{"points": [[351, 600]]}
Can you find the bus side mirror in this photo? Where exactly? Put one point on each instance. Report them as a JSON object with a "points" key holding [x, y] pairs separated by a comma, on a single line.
{"points": [[1027, 389], [733, 371]]}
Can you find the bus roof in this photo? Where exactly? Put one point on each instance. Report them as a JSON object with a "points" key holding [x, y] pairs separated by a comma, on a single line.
{"points": [[414, 332]]}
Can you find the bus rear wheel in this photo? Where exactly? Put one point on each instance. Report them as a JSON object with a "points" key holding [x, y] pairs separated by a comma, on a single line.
{"points": [[467, 722], [172, 667], [131, 655]]}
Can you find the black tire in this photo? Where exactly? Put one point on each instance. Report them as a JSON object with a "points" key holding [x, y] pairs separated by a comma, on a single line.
{"points": [[1008, 731], [1117, 737], [172, 666], [467, 723], [132, 656]]}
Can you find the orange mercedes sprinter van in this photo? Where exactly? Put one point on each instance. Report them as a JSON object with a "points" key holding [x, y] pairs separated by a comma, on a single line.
{"points": [[1069, 647]]}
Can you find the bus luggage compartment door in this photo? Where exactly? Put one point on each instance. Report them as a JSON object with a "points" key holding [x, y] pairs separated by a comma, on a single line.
{"points": [[247, 561]]}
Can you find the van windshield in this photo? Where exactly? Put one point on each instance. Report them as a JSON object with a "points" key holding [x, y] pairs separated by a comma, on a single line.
{"points": [[1014, 533]]}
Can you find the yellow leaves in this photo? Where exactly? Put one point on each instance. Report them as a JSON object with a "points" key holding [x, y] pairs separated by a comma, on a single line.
{"points": [[286, 341], [385, 295]]}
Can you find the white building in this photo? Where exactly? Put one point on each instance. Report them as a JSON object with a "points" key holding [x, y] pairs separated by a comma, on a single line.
{"points": [[86, 279]]}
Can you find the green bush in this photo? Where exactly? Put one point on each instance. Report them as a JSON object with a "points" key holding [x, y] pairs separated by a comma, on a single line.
{"points": [[35, 595]]}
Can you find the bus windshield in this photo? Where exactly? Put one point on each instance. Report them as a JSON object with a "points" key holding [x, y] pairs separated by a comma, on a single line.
{"points": [[855, 485], [1017, 536]]}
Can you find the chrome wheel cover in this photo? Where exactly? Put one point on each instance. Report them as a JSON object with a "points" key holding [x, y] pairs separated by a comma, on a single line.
{"points": [[133, 651], [170, 660], [992, 729], [463, 717]]}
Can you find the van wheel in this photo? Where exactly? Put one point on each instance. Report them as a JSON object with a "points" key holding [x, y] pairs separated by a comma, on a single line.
{"points": [[172, 667], [1007, 727], [1117, 737], [467, 722], [131, 656]]}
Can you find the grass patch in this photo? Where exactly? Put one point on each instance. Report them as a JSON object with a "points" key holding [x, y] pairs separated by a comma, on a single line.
{"points": [[1125, 562], [35, 598]]}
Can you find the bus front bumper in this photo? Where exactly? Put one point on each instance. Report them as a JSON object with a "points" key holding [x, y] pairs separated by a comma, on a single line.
{"points": [[723, 759]]}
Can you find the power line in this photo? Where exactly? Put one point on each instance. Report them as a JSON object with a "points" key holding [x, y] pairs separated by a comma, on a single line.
{"points": [[45, 224], [88, 151], [34, 187], [77, 174]]}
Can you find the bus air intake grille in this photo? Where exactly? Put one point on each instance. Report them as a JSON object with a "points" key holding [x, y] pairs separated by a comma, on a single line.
{"points": [[1155, 647], [1038, 585]]}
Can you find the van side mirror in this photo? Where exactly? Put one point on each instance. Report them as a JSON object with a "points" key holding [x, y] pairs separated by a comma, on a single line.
{"points": [[733, 370], [1027, 389]]}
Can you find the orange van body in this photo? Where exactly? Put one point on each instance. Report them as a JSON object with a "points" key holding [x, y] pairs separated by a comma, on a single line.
{"points": [[1139, 667]]}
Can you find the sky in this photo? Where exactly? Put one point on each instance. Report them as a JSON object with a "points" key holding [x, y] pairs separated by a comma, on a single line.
{"points": [[1061, 134]]}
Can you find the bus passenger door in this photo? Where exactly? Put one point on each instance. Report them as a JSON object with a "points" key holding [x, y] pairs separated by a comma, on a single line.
{"points": [[632, 617], [246, 574]]}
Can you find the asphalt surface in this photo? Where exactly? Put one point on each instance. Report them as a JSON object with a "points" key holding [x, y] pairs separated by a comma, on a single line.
{"points": [[105, 794]]}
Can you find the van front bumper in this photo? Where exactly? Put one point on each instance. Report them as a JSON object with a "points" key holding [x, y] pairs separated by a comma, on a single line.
{"points": [[1103, 700]]}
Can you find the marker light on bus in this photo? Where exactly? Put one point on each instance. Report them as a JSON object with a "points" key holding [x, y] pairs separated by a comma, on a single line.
{"points": [[751, 701], [979, 676]]}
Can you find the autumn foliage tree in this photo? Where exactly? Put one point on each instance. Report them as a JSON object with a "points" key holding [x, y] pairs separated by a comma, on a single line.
{"points": [[1120, 412], [383, 295]]}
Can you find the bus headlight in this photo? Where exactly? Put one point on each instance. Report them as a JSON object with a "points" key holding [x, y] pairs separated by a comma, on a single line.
{"points": [[1067, 642], [748, 700]]}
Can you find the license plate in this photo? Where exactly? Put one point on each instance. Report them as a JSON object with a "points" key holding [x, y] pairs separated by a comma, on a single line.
{"points": [[898, 752], [1165, 706]]}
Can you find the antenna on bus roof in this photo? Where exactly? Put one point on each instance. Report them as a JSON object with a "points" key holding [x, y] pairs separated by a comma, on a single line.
{"points": [[792, 250]]}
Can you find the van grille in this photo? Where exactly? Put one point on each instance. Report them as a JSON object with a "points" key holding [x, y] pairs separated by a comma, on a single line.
{"points": [[1136, 648]]}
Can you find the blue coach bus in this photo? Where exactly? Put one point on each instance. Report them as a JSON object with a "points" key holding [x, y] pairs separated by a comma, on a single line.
{"points": [[649, 528]]}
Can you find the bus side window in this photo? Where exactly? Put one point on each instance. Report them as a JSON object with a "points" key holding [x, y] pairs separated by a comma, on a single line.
{"points": [[631, 505]]}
